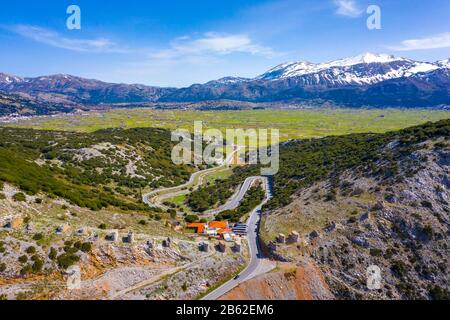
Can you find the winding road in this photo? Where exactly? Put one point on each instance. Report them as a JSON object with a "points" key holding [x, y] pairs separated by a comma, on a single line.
{"points": [[157, 197]]}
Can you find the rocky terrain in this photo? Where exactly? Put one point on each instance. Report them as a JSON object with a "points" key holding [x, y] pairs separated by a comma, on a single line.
{"points": [[40, 238], [303, 281]]}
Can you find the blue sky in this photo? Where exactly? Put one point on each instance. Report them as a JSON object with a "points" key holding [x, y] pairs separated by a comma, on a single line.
{"points": [[179, 42]]}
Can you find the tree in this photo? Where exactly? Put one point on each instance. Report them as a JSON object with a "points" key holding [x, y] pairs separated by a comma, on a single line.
{"points": [[86, 247]]}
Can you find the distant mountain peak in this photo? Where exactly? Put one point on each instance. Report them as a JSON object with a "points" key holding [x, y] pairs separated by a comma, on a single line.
{"points": [[228, 81], [444, 63], [366, 68]]}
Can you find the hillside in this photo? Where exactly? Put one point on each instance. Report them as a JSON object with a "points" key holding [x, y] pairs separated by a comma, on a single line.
{"points": [[97, 170], [362, 200], [26, 105]]}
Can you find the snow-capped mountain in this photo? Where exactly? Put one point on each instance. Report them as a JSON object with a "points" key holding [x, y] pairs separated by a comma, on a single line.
{"points": [[364, 69]]}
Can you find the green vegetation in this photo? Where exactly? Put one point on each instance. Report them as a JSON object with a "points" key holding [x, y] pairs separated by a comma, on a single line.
{"points": [[19, 197], [66, 260], [192, 218], [211, 196], [253, 198], [53, 254], [305, 162], [67, 165], [293, 124]]}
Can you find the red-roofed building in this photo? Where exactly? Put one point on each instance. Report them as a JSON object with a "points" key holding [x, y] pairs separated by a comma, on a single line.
{"points": [[218, 224], [213, 228]]}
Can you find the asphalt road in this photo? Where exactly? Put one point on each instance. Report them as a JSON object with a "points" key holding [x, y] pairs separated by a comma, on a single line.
{"points": [[236, 199], [255, 267]]}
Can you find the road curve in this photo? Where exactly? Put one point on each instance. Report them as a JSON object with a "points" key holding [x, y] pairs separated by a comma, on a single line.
{"points": [[154, 198], [255, 266]]}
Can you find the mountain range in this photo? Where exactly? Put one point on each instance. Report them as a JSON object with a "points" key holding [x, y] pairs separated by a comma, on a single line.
{"points": [[374, 80]]}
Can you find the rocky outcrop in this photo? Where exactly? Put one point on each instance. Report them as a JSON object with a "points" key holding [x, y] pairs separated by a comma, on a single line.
{"points": [[288, 282]]}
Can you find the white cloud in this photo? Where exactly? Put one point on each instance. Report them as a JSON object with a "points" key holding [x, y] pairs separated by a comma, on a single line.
{"points": [[348, 8], [55, 39], [434, 42], [213, 44]]}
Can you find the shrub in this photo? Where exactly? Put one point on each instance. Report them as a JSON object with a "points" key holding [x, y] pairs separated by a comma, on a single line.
{"points": [[53, 254], [2, 267], [143, 222], [376, 252], [38, 236], [102, 226], [399, 268], [37, 265], [38, 200], [438, 293], [26, 270], [23, 259], [191, 218], [86, 247], [31, 250], [352, 220]]}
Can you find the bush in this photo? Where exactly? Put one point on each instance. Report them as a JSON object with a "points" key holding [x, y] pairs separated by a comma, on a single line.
{"points": [[26, 270], [86, 247], [37, 265], [399, 268], [52, 254], [38, 200], [77, 245], [143, 222], [31, 250], [23, 259], [438, 293], [191, 218], [67, 259], [102, 226], [38, 236], [376, 252], [20, 197], [2, 267]]}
